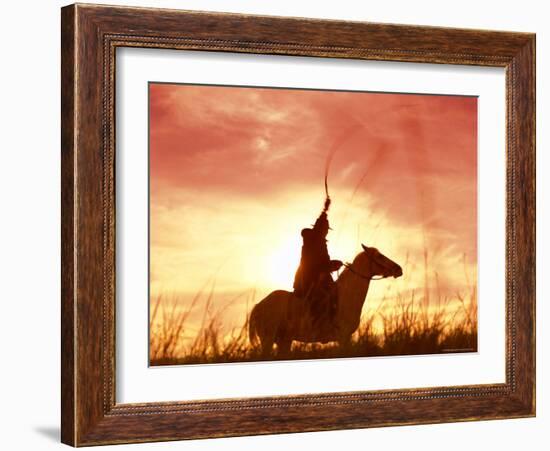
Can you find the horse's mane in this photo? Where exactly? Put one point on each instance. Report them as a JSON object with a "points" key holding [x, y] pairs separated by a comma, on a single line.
{"points": [[347, 270]]}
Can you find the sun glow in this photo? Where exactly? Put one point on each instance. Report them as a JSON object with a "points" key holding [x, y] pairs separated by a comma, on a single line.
{"points": [[282, 263]]}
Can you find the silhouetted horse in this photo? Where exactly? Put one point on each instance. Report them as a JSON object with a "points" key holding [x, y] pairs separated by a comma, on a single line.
{"points": [[281, 317]]}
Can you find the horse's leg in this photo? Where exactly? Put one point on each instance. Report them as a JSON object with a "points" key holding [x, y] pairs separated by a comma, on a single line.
{"points": [[267, 346], [283, 347], [344, 341]]}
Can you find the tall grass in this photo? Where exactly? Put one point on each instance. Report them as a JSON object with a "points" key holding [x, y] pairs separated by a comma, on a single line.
{"points": [[402, 325], [172, 340]]}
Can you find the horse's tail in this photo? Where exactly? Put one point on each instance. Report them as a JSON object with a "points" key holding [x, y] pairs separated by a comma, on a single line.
{"points": [[253, 326]]}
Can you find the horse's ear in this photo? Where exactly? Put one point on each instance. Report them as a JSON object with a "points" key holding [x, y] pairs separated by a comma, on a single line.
{"points": [[365, 248]]}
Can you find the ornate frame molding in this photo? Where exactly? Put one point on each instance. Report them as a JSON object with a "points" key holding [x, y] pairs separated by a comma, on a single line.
{"points": [[90, 36]]}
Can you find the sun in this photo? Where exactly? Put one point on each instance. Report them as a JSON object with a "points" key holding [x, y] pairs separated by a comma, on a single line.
{"points": [[281, 264]]}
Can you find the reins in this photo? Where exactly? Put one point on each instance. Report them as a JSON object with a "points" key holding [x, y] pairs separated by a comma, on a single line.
{"points": [[347, 265]]}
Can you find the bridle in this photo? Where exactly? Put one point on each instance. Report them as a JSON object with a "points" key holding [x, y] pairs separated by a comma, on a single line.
{"points": [[348, 265]]}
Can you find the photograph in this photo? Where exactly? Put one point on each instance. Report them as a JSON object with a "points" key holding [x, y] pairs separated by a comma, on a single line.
{"points": [[289, 223]]}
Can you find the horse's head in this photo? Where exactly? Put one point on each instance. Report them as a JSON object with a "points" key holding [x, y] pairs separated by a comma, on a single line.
{"points": [[377, 264]]}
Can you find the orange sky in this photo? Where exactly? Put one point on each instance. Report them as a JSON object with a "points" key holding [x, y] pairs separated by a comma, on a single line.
{"points": [[236, 173]]}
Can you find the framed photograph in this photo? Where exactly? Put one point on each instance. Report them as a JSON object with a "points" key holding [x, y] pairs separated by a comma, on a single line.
{"points": [[279, 225]]}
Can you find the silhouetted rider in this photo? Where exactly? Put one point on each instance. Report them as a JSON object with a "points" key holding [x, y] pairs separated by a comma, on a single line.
{"points": [[313, 280]]}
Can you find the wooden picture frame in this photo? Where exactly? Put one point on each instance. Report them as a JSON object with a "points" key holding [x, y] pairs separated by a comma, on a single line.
{"points": [[90, 36]]}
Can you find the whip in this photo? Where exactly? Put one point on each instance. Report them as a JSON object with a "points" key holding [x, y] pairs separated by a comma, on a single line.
{"points": [[346, 134]]}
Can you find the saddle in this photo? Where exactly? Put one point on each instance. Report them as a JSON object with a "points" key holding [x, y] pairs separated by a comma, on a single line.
{"points": [[322, 302]]}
